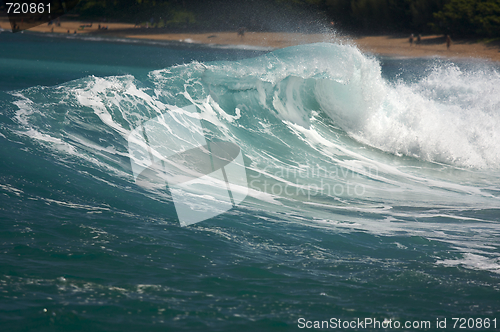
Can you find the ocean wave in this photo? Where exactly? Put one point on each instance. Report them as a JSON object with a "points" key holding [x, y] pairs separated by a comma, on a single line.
{"points": [[301, 107], [352, 149]]}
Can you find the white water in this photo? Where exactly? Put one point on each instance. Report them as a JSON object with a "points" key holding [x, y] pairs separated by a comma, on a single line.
{"points": [[430, 146]]}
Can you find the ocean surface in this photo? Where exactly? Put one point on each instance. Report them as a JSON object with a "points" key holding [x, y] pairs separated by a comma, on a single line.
{"points": [[373, 189]]}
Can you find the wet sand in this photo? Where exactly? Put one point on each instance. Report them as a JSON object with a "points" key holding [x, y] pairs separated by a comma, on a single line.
{"points": [[72, 26], [433, 45], [430, 46]]}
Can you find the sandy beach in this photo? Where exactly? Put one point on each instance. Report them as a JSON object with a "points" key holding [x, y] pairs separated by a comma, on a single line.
{"points": [[432, 45], [72, 26]]}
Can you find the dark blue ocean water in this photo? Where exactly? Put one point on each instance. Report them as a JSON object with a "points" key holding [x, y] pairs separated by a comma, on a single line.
{"points": [[373, 189]]}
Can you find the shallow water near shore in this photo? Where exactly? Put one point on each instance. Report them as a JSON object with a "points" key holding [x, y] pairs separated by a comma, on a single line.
{"points": [[373, 188]]}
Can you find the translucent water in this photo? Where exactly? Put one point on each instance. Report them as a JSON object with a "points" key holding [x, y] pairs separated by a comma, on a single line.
{"points": [[373, 191]]}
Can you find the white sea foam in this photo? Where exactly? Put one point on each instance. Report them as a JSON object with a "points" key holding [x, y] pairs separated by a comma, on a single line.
{"points": [[435, 140]]}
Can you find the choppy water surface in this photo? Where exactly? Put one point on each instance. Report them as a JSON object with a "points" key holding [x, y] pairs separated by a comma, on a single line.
{"points": [[373, 188]]}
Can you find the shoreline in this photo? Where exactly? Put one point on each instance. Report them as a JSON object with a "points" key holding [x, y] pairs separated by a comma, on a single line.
{"points": [[385, 45]]}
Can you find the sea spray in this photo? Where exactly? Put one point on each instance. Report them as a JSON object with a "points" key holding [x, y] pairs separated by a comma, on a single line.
{"points": [[340, 221]]}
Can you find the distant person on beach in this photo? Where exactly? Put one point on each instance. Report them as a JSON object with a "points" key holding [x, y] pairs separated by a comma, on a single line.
{"points": [[241, 32], [411, 40], [448, 42], [419, 39]]}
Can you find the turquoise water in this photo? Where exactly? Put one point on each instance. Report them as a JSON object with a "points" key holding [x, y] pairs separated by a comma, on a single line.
{"points": [[373, 188]]}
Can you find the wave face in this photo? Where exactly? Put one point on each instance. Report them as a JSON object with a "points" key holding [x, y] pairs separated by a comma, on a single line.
{"points": [[450, 116], [318, 124], [330, 142]]}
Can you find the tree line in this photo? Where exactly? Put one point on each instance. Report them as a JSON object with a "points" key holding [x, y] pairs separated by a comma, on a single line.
{"points": [[458, 17], [468, 18]]}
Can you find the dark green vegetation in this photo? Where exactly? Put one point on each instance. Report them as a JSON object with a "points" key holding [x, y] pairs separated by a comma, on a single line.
{"points": [[457, 17], [466, 17]]}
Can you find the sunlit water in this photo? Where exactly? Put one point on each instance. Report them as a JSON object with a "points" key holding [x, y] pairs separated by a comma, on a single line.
{"points": [[373, 188]]}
